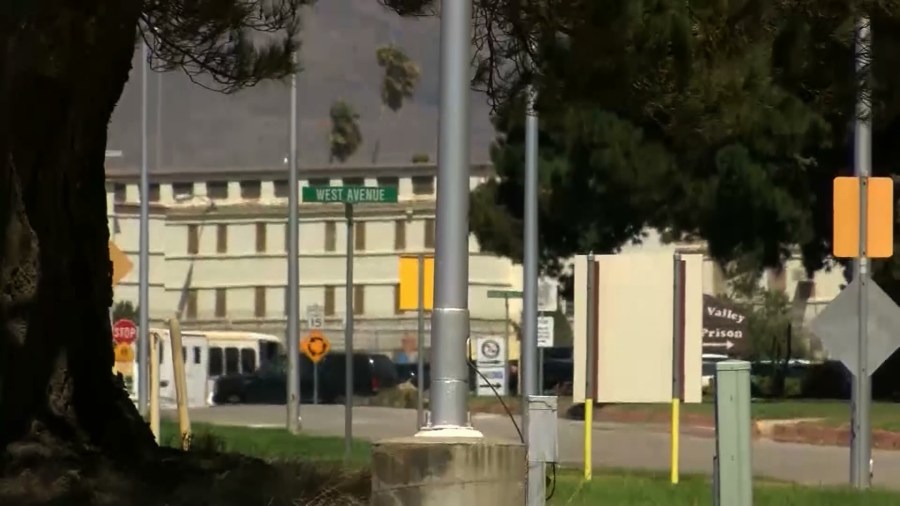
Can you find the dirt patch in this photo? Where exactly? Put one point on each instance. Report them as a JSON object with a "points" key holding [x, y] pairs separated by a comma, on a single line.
{"points": [[176, 478], [817, 434]]}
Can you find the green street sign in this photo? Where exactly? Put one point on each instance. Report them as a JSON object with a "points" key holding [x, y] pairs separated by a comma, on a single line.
{"points": [[504, 294], [350, 194]]}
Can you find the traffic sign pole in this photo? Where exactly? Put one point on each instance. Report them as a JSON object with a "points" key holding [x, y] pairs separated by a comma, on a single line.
{"points": [[348, 337], [861, 430], [506, 343], [420, 346], [293, 270]]}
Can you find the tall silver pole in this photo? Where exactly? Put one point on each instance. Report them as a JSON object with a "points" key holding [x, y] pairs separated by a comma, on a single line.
{"points": [[420, 347], [861, 430], [506, 346], [348, 338], [158, 143], [144, 247], [536, 476], [450, 316], [293, 281]]}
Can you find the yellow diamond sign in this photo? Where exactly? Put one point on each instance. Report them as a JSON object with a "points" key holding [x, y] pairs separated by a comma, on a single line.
{"points": [[121, 263]]}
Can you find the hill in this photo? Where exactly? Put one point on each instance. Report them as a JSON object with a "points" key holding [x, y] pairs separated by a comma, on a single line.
{"points": [[205, 129]]}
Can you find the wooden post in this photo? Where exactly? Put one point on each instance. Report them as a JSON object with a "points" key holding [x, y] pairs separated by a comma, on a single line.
{"points": [[184, 422], [153, 368]]}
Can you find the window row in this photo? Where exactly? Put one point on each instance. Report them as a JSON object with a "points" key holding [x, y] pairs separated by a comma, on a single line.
{"points": [[252, 189], [359, 236], [260, 309]]}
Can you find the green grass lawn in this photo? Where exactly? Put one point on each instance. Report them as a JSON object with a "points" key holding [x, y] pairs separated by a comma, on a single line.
{"points": [[609, 487], [270, 444], [650, 489]]}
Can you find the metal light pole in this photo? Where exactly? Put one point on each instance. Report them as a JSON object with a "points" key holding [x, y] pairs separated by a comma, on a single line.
{"points": [[293, 281], [861, 430], [450, 316], [536, 493], [348, 338], [420, 347], [143, 247]]}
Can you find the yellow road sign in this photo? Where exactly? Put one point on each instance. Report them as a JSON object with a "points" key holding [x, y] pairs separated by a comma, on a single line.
{"points": [[315, 345], [124, 352], [408, 298], [121, 263], [879, 217]]}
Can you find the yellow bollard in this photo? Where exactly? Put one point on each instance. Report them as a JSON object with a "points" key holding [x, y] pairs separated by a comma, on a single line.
{"points": [[588, 432], [676, 418]]}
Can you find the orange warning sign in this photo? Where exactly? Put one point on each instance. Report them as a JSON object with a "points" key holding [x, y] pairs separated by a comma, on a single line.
{"points": [[315, 345]]}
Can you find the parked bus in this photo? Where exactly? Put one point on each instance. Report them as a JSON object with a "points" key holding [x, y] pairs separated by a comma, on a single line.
{"points": [[209, 354]]}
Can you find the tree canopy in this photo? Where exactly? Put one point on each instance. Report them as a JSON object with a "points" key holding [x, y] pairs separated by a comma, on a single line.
{"points": [[346, 136], [717, 120]]}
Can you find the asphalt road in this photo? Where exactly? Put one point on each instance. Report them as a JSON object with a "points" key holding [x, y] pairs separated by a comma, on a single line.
{"points": [[614, 445]]}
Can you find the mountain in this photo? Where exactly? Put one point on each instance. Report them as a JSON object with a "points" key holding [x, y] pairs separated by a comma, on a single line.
{"points": [[203, 129]]}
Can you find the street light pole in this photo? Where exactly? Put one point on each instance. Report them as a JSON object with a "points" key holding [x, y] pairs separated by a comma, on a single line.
{"points": [[450, 316], [144, 253], [536, 485], [293, 281]]}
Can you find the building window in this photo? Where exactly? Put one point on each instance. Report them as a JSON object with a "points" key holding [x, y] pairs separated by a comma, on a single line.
{"points": [[397, 309], [287, 237], [282, 189], [360, 236], [217, 189], [260, 237], [400, 235], [248, 360], [329, 301], [320, 181], [221, 238], [354, 181], [183, 190], [232, 362], [221, 306], [388, 181], [359, 299], [330, 236], [423, 185], [429, 233], [193, 239], [259, 302], [251, 189], [191, 308], [215, 361], [287, 300], [153, 192], [120, 192]]}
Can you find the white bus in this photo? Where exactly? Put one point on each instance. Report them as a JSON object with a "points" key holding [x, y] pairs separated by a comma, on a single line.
{"points": [[209, 354]]}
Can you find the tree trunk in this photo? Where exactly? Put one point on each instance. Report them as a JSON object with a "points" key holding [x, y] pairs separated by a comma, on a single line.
{"points": [[62, 71]]}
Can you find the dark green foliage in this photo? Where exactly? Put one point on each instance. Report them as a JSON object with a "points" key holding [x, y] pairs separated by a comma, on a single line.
{"points": [[345, 137]]}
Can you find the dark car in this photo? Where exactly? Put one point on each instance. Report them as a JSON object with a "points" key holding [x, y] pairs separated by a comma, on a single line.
{"points": [[268, 385], [410, 372]]}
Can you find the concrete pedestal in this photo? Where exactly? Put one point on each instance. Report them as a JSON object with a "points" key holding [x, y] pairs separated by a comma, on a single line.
{"points": [[418, 471]]}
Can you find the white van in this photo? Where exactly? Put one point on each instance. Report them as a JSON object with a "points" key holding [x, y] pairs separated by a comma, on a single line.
{"points": [[208, 355]]}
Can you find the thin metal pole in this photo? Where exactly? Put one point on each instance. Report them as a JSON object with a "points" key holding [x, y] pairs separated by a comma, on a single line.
{"points": [[861, 430], [144, 248], [536, 475], [508, 379], [677, 330], [315, 383], [589, 373], [450, 316], [159, 108], [420, 348], [293, 268], [348, 338]]}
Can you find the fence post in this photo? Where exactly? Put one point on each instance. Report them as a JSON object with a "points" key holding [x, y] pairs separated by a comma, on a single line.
{"points": [[733, 434]]}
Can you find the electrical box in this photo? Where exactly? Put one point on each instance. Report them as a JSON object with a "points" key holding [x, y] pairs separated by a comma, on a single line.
{"points": [[542, 428]]}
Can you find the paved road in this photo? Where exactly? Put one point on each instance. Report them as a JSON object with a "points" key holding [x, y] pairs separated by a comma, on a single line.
{"points": [[615, 445]]}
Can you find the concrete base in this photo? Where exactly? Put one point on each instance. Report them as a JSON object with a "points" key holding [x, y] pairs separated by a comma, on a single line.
{"points": [[432, 471]]}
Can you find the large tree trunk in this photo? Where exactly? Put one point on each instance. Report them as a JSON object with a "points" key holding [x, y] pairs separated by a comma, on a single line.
{"points": [[63, 67]]}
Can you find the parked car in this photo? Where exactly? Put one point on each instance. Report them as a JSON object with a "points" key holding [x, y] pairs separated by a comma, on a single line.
{"points": [[268, 385], [410, 372]]}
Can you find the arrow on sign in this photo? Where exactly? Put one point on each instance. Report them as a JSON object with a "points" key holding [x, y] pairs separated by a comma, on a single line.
{"points": [[727, 345]]}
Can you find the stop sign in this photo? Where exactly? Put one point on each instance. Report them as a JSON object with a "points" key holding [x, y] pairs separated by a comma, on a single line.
{"points": [[124, 331]]}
